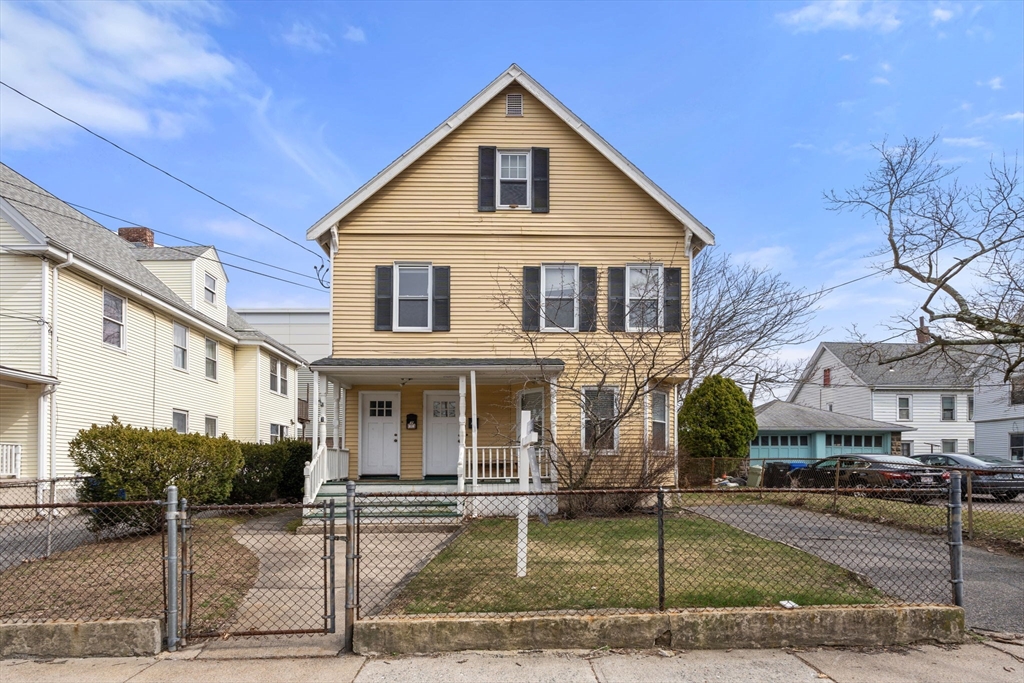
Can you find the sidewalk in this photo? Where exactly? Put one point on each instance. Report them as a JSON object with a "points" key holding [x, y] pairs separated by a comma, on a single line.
{"points": [[309, 659]]}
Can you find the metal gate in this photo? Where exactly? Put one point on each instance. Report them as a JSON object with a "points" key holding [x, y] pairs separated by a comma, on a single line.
{"points": [[249, 570]]}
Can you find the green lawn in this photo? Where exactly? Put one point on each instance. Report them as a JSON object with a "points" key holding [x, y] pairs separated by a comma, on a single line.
{"points": [[612, 563]]}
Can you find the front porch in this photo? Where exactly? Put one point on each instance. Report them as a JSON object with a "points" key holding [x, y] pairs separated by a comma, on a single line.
{"points": [[438, 425]]}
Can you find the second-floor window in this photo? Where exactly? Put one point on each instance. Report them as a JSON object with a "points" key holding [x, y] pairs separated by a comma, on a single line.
{"points": [[904, 408], [211, 359], [643, 298], [412, 297], [113, 320], [948, 408], [1017, 390], [559, 303], [970, 407], [180, 347], [278, 376], [210, 289], [412, 282]]}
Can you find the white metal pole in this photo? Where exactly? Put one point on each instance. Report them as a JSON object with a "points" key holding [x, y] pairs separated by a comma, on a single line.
{"points": [[472, 386], [316, 413], [461, 475], [526, 437]]}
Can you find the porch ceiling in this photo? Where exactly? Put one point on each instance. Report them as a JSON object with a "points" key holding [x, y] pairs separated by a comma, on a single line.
{"points": [[403, 371]]}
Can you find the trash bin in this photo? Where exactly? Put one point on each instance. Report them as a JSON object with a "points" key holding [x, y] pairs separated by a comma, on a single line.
{"points": [[754, 475], [776, 475]]}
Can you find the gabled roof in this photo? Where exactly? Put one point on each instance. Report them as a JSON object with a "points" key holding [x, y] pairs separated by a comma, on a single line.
{"points": [[144, 253], [782, 416], [511, 75]]}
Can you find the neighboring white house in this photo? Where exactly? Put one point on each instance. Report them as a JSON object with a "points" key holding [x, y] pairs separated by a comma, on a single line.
{"points": [[999, 415], [928, 393], [308, 331], [93, 324]]}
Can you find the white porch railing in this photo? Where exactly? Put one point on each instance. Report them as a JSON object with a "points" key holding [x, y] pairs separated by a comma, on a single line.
{"points": [[502, 462], [329, 464], [10, 459]]}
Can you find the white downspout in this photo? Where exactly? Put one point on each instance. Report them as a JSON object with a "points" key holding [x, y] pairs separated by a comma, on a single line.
{"points": [[45, 330], [53, 361], [330, 290], [258, 389], [473, 459]]}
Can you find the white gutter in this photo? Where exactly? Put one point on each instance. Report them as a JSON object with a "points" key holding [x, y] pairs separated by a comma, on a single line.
{"points": [[53, 363], [257, 389], [270, 348]]}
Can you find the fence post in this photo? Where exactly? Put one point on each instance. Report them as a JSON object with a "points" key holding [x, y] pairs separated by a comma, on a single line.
{"points": [[350, 563], [49, 517], [331, 531], [956, 542], [970, 505], [835, 488], [185, 573], [172, 567], [661, 550]]}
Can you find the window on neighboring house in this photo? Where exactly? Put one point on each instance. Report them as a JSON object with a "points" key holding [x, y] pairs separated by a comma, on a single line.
{"points": [[1017, 446], [970, 446], [659, 421], [826, 377], [513, 179], [211, 358], [413, 283], [970, 408], [878, 441], [949, 445], [180, 347], [179, 420], [211, 425], [278, 432], [904, 408], [278, 376], [113, 320], [558, 302], [1017, 390], [829, 406], [643, 298], [948, 408], [907, 448], [210, 288], [601, 431]]}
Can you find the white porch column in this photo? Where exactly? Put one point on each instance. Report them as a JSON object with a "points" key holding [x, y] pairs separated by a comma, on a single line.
{"points": [[462, 434], [321, 392], [344, 417], [337, 415], [473, 459], [316, 412]]}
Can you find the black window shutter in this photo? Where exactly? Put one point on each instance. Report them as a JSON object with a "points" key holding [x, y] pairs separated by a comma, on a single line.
{"points": [[541, 186], [588, 299], [673, 299], [531, 298], [383, 295], [485, 186], [442, 299], [616, 299]]}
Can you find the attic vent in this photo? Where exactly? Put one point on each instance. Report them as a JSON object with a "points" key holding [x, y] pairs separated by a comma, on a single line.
{"points": [[513, 105]]}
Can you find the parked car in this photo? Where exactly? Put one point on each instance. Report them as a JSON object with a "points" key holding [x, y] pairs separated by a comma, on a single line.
{"points": [[997, 477], [876, 474]]}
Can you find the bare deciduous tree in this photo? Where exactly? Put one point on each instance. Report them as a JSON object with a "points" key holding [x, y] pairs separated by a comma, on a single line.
{"points": [[962, 247]]}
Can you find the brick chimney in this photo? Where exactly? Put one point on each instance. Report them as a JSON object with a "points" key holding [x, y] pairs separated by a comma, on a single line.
{"points": [[142, 237], [923, 336]]}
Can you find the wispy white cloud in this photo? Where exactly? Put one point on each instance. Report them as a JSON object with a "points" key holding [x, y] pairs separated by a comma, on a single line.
{"points": [[306, 37], [885, 66], [879, 80], [965, 142], [940, 15], [994, 83], [847, 58], [355, 34], [129, 68], [776, 258], [843, 14], [1015, 116], [802, 145]]}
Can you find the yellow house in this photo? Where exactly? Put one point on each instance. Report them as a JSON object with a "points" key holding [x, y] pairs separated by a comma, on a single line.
{"points": [[511, 260]]}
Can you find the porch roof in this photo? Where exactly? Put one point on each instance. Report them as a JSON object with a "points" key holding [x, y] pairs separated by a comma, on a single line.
{"points": [[419, 370]]}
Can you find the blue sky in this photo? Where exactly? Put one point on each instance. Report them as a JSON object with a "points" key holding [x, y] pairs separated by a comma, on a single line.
{"points": [[745, 112]]}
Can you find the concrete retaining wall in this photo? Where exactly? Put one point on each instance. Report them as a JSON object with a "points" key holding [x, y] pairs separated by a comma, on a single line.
{"points": [[708, 630], [114, 638]]}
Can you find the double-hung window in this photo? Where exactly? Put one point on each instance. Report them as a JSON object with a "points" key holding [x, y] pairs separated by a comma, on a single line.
{"points": [[180, 347], [643, 298], [904, 408], [1017, 390], [413, 283], [278, 376], [948, 408], [513, 179], [970, 408], [1017, 446], [278, 432], [601, 429], [179, 420], [211, 359], [210, 288], [211, 425], [949, 445], [559, 309], [113, 320], [659, 421]]}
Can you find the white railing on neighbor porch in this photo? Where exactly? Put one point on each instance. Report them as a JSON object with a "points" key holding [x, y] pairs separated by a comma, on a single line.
{"points": [[329, 464], [10, 459], [502, 463]]}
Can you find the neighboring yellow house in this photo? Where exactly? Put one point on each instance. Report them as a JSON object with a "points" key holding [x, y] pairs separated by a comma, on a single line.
{"points": [[472, 277], [93, 324]]}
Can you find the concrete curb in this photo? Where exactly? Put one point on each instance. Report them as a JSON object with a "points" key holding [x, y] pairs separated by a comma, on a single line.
{"points": [[113, 638], [696, 630]]}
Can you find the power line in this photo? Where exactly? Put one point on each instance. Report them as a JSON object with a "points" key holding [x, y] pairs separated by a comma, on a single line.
{"points": [[166, 173]]}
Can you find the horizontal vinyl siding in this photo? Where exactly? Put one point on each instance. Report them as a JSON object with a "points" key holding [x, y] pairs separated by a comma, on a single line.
{"points": [[18, 411], [9, 235], [21, 300], [847, 395], [275, 408], [927, 418], [177, 275], [992, 399], [993, 438], [203, 265], [245, 393]]}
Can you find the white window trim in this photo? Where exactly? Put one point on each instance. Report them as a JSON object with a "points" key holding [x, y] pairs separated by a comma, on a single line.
{"points": [[970, 446], [653, 420], [183, 412], [207, 288], [398, 265], [942, 410], [955, 442], [282, 431], [174, 346], [529, 180], [123, 323], [215, 359], [910, 408], [216, 425], [583, 420], [575, 298], [661, 296], [282, 371], [970, 409]]}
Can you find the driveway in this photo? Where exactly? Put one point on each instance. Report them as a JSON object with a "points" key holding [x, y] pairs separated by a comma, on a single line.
{"points": [[903, 564]]}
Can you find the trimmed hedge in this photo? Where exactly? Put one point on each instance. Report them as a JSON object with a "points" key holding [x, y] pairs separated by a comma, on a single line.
{"points": [[271, 472]]}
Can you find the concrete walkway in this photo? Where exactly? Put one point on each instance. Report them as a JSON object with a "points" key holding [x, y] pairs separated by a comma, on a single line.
{"points": [[972, 663]]}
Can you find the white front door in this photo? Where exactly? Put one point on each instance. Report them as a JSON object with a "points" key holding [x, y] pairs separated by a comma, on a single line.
{"points": [[379, 454], [442, 434]]}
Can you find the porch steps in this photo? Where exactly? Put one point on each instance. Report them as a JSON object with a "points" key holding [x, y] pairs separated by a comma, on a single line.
{"points": [[396, 509]]}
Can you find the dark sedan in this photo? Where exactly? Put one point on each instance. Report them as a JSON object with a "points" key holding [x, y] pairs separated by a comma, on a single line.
{"points": [[876, 475], [1002, 479]]}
